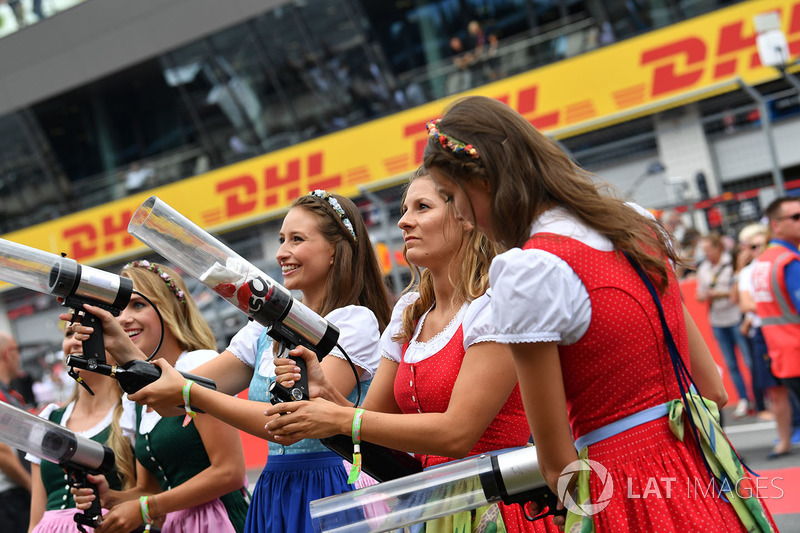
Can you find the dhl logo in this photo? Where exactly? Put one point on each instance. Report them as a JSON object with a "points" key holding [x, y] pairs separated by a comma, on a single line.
{"points": [[665, 63]]}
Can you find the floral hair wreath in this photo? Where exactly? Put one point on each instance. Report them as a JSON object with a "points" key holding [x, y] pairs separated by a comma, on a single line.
{"points": [[153, 267], [336, 206], [454, 145]]}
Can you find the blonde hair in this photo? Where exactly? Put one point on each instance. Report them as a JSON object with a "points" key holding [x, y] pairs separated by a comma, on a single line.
{"points": [[475, 253], [183, 319], [528, 174], [751, 230], [124, 458]]}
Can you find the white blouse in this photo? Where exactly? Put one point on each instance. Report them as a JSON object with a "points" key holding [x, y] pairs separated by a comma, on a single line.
{"points": [[358, 335], [475, 316], [536, 296], [186, 362]]}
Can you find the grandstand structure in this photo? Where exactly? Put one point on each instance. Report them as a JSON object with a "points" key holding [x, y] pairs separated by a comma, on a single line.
{"points": [[230, 110]]}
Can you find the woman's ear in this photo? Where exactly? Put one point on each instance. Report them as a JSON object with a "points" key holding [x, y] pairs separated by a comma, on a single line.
{"points": [[467, 225]]}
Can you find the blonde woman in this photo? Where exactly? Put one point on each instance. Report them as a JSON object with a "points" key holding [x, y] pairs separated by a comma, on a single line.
{"points": [[198, 468]]}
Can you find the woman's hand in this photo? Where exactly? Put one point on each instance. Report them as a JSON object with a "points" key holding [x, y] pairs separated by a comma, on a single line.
{"points": [[166, 393], [126, 516], [287, 372], [116, 341], [313, 419], [85, 496]]}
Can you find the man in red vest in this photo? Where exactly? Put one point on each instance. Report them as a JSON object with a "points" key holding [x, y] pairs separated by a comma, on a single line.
{"points": [[776, 291]]}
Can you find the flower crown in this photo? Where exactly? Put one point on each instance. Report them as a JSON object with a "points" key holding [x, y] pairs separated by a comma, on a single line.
{"points": [[155, 267], [454, 145], [336, 206]]}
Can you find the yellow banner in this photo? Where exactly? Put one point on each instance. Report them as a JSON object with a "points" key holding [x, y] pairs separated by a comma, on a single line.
{"points": [[659, 69]]}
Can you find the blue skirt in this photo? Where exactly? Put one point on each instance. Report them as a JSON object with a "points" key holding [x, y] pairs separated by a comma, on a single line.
{"points": [[287, 485]]}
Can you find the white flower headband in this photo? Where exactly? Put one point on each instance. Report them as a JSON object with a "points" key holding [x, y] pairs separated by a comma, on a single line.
{"points": [[337, 207], [155, 267]]}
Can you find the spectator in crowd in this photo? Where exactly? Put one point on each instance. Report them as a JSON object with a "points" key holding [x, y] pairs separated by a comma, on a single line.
{"points": [[461, 79], [715, 284], [138, 178], [15, 477], [674, 225], [493, 63], [55, 386], [776, 292], [753, 241]]}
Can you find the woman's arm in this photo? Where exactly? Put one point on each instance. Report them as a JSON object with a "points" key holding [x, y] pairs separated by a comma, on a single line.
{"points": [[124, 513], [167, 392], [109, 498], [38, 497], [12, 467], [541, 384], [226, 473], [484, 383], [380, 396], [746, 302], [703, 368]]}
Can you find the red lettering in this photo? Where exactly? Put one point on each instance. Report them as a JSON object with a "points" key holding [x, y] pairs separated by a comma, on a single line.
{"points": [[274, 182], [242, 198], [732, 40], [316, 180], [527, 104], [794, 29], [83, 241], [417, 129], [665, 77], [110, 229]]}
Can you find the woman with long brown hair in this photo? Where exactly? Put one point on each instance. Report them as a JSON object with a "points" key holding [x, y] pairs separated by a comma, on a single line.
{"points": [[444, 388], [577, 295]]}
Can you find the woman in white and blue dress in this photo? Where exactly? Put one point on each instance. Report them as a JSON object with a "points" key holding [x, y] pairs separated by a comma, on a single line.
{"points": [[326, 254]]}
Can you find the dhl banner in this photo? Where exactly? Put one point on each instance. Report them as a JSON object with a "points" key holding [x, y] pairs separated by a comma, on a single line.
{"points": [[643, 74]]}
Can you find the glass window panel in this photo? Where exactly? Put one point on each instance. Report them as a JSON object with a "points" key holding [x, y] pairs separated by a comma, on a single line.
{"points": [[265, 121]]}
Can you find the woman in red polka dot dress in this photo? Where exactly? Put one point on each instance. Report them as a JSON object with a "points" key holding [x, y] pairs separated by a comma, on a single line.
{"points": [[596, 375], [444, 389]]}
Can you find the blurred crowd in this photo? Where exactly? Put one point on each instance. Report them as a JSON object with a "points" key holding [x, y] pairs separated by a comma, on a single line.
{"points": [[721, 267]]}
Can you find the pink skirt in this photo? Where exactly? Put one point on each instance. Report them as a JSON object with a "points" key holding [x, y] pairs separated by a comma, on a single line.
{"points": [[210, 516], [60, 521]]}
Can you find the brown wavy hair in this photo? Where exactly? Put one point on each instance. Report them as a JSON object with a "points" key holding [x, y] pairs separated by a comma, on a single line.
{"points": [[474, 254], [183, 319], [355, 278], [528, 173]]}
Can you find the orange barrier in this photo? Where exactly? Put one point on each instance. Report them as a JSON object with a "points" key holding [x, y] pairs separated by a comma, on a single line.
{"points": [[255, 449], [699, 312]]}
